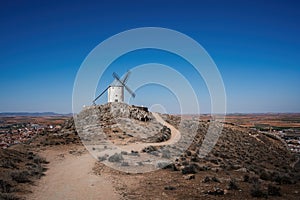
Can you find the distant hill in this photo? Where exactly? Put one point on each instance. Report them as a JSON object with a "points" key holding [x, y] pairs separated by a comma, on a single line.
{"points": [[32, 114]]}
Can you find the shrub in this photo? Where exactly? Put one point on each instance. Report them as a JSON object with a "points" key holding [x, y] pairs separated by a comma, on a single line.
{"points": [[5, 187], [273, 190], [265, 176], [206, 179], [233, 185], [7, 163], [37, 159], [102, 158], [115, 158], [256, 191], [20, 176], [246, 178], [283, 179], [37, 170], [6, 196]]}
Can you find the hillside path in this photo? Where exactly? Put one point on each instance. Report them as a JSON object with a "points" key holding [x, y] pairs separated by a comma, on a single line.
{"points": [[70, 177], [175, 137], [175, 134]]}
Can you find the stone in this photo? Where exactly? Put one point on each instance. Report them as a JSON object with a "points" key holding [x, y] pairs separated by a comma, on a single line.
{"points": [[189, 177], [115, 158], [170, 188]]}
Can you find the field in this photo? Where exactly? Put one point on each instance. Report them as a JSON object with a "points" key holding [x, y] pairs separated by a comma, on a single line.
{"points": [[273, 120]]}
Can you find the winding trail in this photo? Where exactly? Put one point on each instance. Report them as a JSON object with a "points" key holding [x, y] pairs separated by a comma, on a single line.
{"points": [[70, 177], [175, 137]]}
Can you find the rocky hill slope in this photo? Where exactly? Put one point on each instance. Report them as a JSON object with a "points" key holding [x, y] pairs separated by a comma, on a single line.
{"points": [[240, 149]]}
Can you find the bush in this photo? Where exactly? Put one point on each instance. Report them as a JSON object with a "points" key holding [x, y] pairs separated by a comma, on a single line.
{"points": [[265, 176], [5, 187], [273, 190], [283, 179], [20, 176], [233, 185], [6, 196], [206, 179], [246, 178], [115, 158], [256, 191], [102, 158], [7, 163], [37, 170], [39, 160]]}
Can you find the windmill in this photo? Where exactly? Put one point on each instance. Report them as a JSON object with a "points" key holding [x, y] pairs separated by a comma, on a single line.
{"points": [[116, 89]]}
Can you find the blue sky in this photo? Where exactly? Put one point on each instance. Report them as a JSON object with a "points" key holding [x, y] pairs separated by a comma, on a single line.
{"points": [[255, 45]]}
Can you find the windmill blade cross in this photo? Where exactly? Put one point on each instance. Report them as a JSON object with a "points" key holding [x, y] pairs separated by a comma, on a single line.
{"points": [[129, 91], [115, 75], [125, 79]]}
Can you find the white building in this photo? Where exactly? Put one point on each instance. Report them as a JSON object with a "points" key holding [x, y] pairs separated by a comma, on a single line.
{"points": [[116, 93]]}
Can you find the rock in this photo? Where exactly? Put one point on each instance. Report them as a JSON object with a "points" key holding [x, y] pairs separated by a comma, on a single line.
{"points": [[162, 164], [149, 149], [115, 158], [217, 191], [216, 169], [134, 153], [215, 179], [170, 188], [189, 169], [188, 153], [124, 164], [242, 170], [166, 154], [189, 177]]}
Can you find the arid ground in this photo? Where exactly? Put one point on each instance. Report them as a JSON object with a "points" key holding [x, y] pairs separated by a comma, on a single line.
{"points": [[244, 164]]}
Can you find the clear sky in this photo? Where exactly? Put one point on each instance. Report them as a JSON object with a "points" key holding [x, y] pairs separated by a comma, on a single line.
{"points": [[255, 45]]}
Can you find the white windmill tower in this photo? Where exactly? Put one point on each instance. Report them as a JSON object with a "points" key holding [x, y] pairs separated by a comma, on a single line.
{"points": [[116, 89]]}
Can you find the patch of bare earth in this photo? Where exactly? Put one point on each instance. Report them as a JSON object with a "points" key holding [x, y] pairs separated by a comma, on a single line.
{"points": [[70, 176]]}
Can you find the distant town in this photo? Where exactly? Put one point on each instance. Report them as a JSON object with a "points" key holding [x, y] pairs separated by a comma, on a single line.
{"points": [[22, 129]]}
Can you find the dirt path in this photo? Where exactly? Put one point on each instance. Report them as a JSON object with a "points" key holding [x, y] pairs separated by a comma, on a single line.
{"points": [[71, 177], [175, 134], [175, 137]]}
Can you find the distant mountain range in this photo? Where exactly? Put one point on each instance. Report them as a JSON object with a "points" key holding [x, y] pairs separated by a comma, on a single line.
{"points": [[32, 114]]}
